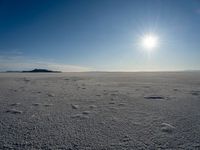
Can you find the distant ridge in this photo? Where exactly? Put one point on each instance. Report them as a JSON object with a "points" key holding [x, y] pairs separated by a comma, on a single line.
{"points": [[41, 71], [35, 71]]}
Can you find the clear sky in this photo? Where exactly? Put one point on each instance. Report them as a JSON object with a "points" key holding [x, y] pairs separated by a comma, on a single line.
{"points": [[99, 35]]}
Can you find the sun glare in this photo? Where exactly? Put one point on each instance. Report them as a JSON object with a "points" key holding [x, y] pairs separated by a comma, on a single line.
{"points": [[149, 42]]}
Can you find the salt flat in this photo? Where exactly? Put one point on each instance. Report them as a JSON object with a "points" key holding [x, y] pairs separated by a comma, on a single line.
{"points": [[100, 111]]}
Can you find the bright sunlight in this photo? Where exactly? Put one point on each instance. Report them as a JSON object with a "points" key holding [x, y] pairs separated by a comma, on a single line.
{"points": [[150, 42]]}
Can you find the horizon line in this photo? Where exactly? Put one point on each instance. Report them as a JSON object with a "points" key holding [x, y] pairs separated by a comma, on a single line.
{"points": [[144, 71]]}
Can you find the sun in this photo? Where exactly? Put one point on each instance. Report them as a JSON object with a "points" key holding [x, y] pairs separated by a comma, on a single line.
{"points": [[149, 42]]}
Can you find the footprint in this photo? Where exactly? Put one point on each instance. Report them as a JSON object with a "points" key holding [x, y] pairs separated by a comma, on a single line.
{"points": [[121, 104], [137, 123], [14, 111], [36, 104], [74, 106], [79, 116], [146, 87], [15, 104], [111, 102], [154, 97], [112, 99], [195, 93], [165, 127], [92, 106], [86, 112], [105, 93], [175, 89], [51, 95], [115, 119], [76, 78], [115, 91], [26, 80], [48, 105]]}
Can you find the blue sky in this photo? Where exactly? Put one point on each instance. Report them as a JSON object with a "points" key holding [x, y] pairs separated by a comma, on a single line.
{"points": [[99, 35]]}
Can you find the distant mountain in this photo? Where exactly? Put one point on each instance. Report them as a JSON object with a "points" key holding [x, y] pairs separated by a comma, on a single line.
{"points": [[41, 71]]}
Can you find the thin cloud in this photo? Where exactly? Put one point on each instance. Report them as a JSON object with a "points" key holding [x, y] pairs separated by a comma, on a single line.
{"points": [[12, 52]]}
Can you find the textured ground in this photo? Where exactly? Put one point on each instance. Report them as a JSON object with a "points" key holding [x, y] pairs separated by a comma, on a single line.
{"points": [[100, 111]]}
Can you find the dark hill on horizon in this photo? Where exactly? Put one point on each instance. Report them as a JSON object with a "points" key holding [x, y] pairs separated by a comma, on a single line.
{"points": [[42, 70], [37, 71]]}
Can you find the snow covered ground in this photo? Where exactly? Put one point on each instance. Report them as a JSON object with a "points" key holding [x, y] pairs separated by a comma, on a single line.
{"points": [[100, 111]]}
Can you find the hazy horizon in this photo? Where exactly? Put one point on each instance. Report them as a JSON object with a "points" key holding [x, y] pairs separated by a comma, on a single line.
{"points": [[106, 35]]}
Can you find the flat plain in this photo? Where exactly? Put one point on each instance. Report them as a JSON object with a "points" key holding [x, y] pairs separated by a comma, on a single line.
{"points": [[100, 111]]}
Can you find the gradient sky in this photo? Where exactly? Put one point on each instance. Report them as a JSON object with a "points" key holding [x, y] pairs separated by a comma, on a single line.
{"points": [[99, 35]]}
